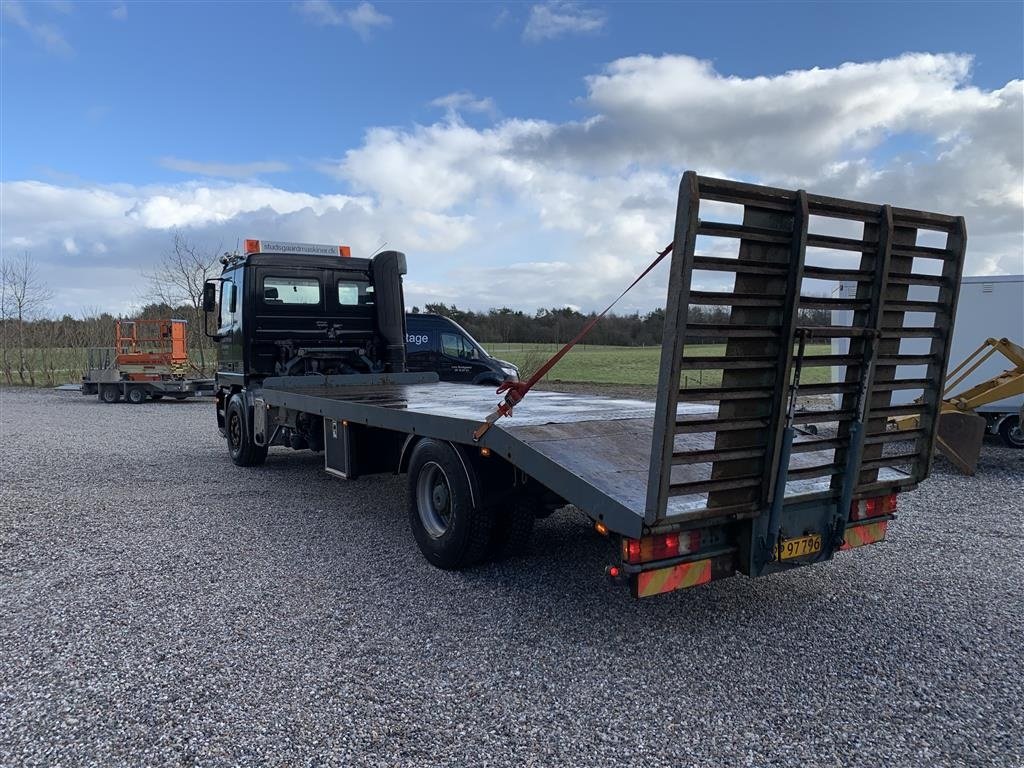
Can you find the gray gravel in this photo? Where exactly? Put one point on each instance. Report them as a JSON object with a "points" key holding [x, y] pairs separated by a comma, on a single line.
{"points": [[160, 606]]}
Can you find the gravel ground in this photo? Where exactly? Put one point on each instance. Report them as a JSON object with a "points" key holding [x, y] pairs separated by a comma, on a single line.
{"points": [[160, 606]]}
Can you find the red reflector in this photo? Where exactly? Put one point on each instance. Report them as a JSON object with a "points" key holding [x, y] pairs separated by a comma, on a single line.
{"points": [[661, 547], [252, 246], [344, 251], [874, 507]]}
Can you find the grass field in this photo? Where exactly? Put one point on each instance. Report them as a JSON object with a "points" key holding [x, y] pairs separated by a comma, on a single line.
{"points": [[585, 364], [625, 365]]}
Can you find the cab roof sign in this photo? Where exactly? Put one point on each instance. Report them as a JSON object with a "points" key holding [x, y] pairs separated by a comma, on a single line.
{"points": [[296, 249]]}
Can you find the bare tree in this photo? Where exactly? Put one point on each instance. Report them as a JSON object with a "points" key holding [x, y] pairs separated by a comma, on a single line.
{"points": [[23, 297], [178, 280]]}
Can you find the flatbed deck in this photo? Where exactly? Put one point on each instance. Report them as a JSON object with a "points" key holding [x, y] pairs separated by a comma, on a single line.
{"points": [[594, 451]]}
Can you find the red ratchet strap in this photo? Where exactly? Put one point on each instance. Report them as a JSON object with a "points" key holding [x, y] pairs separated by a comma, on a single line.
{"points": [[515, 391]]}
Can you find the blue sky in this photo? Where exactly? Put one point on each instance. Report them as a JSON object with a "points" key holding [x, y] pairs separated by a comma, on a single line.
{"points": [[123, 98]]}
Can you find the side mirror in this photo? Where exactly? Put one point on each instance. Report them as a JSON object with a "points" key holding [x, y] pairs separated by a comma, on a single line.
{"points": [[209, 297]]}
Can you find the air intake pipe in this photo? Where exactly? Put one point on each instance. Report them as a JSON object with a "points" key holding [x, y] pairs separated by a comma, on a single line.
{"points": [[388, 268]]}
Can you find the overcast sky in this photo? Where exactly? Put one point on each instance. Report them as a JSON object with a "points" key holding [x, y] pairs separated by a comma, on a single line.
{"points": [[521, 155]]}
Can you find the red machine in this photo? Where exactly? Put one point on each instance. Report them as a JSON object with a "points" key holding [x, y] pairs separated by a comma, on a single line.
{"points": [[150, 350]]}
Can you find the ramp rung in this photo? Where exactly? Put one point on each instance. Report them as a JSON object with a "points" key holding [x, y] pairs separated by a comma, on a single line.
{"points": [[835, 331], [889, 461], [727, 363], [913, 306], [713, 454], [894, 436], [823, 444], [718, 425], [707, 486], [697, 330], [735, 299], [820, 470], [916, 279], [840, 243], [825, 302], [749, 266], [906, 360], [920, 250], [760, 234], [911, 409], [809, 417], [724, 393], [836, 273], [890, 386]]}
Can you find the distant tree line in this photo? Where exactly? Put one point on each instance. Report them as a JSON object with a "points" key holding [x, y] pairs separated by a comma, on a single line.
{"points": [[559, 325], [38, 349]]}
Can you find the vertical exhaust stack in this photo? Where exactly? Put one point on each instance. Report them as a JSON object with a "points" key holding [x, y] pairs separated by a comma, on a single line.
{"points": [[388, 268]]}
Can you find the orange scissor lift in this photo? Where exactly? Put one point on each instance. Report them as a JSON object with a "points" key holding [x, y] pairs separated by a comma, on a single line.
{"points": [[149, 359]]}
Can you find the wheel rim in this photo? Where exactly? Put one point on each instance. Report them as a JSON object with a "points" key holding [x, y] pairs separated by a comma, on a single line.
{"points": [[434, 500], [235, 430], [1017, 434]]}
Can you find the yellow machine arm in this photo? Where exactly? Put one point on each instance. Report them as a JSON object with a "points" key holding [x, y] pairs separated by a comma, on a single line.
{"points": [[961, 430], [1007, 384]]}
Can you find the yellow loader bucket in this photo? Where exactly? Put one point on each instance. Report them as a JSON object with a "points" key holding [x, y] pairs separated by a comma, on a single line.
{"points": [[959, 439]]}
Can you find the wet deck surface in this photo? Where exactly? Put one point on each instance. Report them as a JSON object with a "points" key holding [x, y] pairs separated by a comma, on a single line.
{"points": [[604, 441]]}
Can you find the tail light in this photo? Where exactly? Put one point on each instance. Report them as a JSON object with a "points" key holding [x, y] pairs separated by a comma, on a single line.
{"points": [[878, 506], [660, 547]]}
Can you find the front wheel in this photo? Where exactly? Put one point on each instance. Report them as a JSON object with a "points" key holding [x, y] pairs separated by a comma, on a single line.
{"points": [[244, 452], [1011, 432], [110, 393], [450, 532]]}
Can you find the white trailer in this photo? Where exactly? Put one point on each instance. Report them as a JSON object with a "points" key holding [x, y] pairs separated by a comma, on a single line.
{"points": [[990, 307]]}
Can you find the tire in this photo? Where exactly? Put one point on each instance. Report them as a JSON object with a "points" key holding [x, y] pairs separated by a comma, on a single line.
{"points": [[449, 531], [136, 395], [1011, 432], [157, 396], [513, 528], [244, 452], [110, 393]]}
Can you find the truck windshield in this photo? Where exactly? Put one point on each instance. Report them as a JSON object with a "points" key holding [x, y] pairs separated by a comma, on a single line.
{"points": [[291, 290]]}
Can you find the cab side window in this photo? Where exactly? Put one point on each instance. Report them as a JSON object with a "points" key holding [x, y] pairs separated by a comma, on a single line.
{"points": [[455, 345], [228, 303]]}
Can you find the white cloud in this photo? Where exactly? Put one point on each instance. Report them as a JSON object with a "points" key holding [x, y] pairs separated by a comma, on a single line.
{"points": [[70, 246], [464, 101], [554, 19], [119, 12], [363, 19], [531, 213], [224, 170], [46, 35]]}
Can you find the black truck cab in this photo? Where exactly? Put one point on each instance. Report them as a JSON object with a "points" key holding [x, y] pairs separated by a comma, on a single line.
{"points": [[437, 343], [288, 310]]}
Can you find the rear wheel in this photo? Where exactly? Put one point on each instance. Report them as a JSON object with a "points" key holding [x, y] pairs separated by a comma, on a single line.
{"points": [[244, 452], [136, 395], [1011, 432], [450, 532], [110, 393]]}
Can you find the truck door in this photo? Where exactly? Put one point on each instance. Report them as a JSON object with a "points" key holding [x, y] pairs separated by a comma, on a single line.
{"points": [[458, 358]]}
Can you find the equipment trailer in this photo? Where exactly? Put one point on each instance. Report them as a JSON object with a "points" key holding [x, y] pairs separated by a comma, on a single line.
{"points": [[699, 485], [149, 359]]}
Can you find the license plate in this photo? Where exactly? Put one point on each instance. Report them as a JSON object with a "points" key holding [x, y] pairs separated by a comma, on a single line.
{"points": [[800, 547]]}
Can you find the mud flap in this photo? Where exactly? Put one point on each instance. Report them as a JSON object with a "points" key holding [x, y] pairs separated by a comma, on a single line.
{"points": [[959, 439]]}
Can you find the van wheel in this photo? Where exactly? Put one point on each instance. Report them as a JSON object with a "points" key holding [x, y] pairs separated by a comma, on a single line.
{"points": [[1011, 432], [513, 528], [110, 394], [136, 395], [244, 452], [449, 531]]}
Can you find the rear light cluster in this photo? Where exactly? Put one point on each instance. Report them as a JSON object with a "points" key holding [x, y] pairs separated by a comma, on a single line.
{"points": [[876, 507], [660, 547]]}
